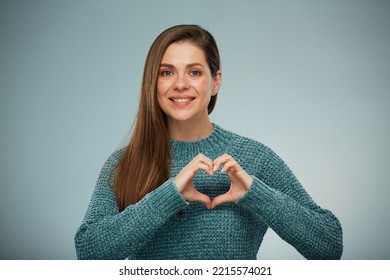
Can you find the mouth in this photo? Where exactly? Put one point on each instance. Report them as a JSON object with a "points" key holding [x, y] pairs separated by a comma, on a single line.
{"points": [[182, 100]]}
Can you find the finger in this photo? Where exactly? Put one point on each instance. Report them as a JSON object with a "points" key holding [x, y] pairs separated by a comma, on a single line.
{"points": [[202, 157], [229, 166], [206, 161], [223, 198], [237, 174], [221, 160], [200, 197], [206, 168], [188, 173]]}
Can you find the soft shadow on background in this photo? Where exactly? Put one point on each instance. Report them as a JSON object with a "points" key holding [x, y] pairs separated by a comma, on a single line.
{"points": [[310, 79]]}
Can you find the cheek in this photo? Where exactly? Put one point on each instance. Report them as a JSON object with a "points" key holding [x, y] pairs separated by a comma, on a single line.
{"points": [[160, 100], [159, 88], [162, 87], [161, 93], [206, 86]]}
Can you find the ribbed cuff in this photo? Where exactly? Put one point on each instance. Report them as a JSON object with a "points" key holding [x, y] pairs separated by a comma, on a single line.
{"points": [[258, 198], [166, 200]]}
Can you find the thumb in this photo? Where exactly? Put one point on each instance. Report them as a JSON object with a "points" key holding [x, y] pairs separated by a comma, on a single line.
{"points": [[200, 197], [223, 198]]}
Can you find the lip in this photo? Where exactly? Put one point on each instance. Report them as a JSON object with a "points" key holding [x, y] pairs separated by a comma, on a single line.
{"points": [[181, 101]]}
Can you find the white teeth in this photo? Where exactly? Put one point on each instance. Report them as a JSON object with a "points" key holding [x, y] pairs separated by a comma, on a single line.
{"points": [[181, 100]]}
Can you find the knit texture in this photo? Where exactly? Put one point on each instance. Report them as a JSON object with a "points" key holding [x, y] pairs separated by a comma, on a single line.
{"points": [[164, 226]]}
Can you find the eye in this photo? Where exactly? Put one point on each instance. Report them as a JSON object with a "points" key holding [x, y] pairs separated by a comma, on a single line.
{"points": [[166, 73], [195, 73]]}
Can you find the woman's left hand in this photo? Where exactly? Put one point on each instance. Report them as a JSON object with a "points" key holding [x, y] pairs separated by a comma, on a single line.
{"points": [[240, 180]]}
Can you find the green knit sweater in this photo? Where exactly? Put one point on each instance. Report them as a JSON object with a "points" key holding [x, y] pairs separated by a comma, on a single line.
{"points": [[153, 228]]}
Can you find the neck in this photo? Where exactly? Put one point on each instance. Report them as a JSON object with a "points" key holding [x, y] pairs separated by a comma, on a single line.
{"points": [[189, 131]]}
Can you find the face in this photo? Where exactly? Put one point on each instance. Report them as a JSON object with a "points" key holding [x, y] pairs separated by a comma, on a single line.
{"points": [[185, 84]]}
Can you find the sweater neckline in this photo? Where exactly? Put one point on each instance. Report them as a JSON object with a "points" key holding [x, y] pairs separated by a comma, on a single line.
{"points": [[217, 140]]}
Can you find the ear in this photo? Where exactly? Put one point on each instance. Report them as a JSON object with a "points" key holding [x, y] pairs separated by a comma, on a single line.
{"points": [[217, 82]]}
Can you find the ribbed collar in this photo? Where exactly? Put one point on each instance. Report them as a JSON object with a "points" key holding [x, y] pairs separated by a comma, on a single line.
{"points": [[212, 145]]}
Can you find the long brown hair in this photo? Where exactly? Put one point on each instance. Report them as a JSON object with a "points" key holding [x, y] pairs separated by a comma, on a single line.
{"points": [[146, 162]]}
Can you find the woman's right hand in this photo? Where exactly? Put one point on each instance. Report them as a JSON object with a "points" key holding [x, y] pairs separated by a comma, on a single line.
{"points": [[183, 180]]}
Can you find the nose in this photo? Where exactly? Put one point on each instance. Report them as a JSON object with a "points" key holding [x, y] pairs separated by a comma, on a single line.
{"points": [[181, 82]]}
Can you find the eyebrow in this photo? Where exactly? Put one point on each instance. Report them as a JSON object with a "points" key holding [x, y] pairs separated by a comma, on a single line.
{"points": [[187, 66]]}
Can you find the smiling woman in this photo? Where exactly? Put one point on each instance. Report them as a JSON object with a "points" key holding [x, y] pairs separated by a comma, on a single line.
{"points": [[185, 87], [185, 188]]}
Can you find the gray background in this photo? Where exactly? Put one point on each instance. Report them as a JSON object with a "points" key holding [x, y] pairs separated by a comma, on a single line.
{"points": [[310, 79]]}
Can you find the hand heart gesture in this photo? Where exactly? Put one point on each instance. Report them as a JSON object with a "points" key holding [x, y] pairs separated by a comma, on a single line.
{"points": [[240, 180]]}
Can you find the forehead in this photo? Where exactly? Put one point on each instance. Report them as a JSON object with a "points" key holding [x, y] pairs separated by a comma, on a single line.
{"points": [[183, 53]]}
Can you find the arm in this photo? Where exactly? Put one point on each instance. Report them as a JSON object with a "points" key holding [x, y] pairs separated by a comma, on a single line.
{"points": [[106, 233], [280, 200], [314, 232]]}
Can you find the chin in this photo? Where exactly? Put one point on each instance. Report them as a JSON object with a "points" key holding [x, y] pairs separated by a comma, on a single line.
{"points": [[180, 117]]}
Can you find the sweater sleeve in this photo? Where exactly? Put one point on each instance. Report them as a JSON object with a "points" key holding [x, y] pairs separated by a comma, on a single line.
{"points": [[106, 233], [280, 200]]}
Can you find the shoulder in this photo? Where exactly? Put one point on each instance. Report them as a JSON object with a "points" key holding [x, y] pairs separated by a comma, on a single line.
{"points": [[260, 160], [251, 150], [244, 144], [109, 169], [112, 161]]}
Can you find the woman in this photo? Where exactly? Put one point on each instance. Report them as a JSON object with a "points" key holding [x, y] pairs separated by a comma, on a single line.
{"points": [[185, 188]]}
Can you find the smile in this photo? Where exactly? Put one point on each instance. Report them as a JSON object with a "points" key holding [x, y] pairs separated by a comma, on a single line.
{"points": [[181, 100]]}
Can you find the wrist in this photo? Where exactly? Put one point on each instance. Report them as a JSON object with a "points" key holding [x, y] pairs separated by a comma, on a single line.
{"points": [[177, 184], [248, 182]]}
